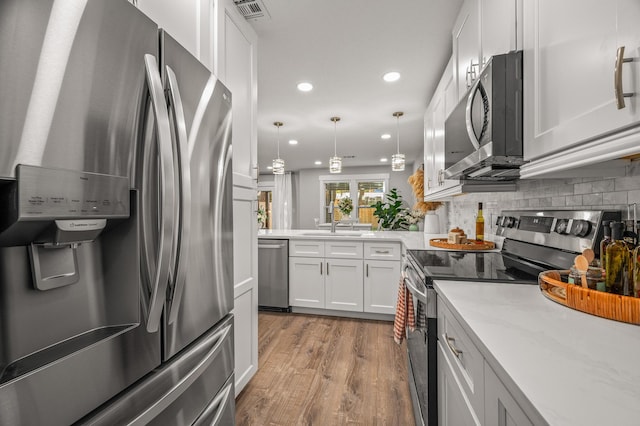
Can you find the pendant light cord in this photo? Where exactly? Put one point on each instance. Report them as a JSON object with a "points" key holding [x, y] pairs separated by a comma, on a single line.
{"points": [[278, 141], [398, 133], [335, 130]]}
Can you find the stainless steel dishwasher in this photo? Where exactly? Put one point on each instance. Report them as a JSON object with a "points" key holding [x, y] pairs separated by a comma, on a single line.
{"points": [[273, 275]]}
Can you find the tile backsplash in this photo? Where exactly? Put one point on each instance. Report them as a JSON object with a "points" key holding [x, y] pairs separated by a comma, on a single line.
{"points": [[560, 194]]}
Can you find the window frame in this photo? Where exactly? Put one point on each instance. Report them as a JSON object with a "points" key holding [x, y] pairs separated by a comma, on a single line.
{"points": [[353, 181]]}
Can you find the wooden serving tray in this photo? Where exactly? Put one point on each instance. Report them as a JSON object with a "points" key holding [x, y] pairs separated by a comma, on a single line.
{"points": [[605, 305], [469, 245]]}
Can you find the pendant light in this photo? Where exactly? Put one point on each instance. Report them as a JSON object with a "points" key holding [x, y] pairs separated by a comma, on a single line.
{"points": [[397, 160], [278, 163], [335, 162]]}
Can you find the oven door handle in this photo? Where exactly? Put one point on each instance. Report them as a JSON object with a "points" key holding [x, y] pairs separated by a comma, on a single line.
{"points": [[414, 290]]}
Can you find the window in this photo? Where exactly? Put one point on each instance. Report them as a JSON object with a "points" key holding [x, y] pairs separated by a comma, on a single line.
{"points": [[364, 190], [265, 200]]}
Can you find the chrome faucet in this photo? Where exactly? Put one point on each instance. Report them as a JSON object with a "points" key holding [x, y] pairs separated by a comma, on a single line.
{"points": [[333, 220]]}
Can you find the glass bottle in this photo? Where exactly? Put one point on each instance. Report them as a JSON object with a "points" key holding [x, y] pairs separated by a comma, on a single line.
{"points": [[636, 271], [479, 224], [606, 240], [617, 262]]}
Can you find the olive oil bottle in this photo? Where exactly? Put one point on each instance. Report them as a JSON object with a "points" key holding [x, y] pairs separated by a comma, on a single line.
{"points": [[606, 240], [617, 260], [480, 224]]}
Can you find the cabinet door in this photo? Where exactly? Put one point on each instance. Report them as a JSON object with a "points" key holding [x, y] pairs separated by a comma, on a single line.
{"points": [[498, 26], [235, 63], [466, 45], [453, 406], [343, 285], [381, 286], [245, 275], [501, 408], [306, 282], [569, 57]]}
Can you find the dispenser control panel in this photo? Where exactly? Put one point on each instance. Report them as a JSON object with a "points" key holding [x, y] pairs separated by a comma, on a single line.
{"points": [[67, 194]]}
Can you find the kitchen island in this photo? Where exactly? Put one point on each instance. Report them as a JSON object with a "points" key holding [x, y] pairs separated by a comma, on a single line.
{"points": [[560, 366]]}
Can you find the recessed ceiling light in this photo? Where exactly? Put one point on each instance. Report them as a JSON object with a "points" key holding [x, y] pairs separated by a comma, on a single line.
{"points": [[385, 136], [293, 142], [383, 160], [305, 86], [269, 168], [317, 163], [391, 76]]}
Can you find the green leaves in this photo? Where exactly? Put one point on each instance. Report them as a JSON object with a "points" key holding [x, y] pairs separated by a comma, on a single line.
{"points": [[391, 215]]}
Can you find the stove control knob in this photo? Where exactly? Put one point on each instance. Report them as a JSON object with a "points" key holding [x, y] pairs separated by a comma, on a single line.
{"points": [[561, 226], [581, 228], [509, 221], [499, 221]]}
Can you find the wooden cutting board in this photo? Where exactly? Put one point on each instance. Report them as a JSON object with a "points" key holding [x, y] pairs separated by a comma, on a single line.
{"points": [[469, 245]]}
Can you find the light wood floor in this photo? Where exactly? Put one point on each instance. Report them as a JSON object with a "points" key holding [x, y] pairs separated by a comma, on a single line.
{"points": [[316, 370]]}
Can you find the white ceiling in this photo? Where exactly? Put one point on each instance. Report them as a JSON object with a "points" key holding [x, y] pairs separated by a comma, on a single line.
{"points": [[343, 47]]}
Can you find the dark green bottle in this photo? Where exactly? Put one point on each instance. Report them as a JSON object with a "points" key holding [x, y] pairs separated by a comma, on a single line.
{"points": [[617, 262]]}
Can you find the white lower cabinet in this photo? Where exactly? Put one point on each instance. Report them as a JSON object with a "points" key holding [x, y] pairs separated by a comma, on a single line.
{"points": [[306, 282], [454, 408], [332, 275], [501, 409], [469, 390], [380, 286]]}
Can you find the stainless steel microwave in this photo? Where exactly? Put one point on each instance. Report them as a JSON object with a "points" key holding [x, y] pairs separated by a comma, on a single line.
{"points": [[483, 134]]}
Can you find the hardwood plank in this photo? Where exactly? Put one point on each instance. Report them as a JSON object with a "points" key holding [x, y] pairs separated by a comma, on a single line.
{"points": [[321, 370]]}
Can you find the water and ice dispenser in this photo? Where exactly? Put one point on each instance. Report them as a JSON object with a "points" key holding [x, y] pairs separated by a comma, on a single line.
{"points": [[69, 264]]}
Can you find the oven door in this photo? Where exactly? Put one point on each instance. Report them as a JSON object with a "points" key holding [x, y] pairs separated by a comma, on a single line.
{"points": [[421, 349]]}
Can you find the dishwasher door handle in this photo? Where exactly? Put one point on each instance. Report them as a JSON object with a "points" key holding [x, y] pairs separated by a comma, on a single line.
{"points": [[270, 246]]}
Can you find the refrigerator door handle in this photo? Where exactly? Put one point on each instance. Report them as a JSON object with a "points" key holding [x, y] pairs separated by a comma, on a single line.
{"points": [[172, 394], [212, 415], [167, 195], [184, 160]]}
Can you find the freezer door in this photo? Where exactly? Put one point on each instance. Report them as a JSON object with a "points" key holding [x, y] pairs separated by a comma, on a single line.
{"points": [[201, 278], [190, 386], [72, 83]]}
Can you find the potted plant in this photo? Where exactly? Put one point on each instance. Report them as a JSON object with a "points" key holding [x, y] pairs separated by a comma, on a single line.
{"points": [[262, 217], [391, 214], [345, 205]]}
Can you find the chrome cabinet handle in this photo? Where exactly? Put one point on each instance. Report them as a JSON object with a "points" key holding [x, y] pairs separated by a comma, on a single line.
{"points": [[428, 183], [181, 250], [617, 78], [327, 268], [450, 341], [367, 269], [167, 196], [441, 177], [321, 263], [382, 251]]}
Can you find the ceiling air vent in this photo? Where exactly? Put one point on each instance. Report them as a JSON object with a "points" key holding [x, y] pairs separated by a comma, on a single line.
{"points": [[252, 9]]}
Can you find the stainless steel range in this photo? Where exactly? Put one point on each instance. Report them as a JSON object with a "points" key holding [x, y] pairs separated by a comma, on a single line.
{"points": [[534, 241]]}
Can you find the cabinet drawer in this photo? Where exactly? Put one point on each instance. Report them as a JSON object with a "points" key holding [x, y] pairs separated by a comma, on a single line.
{"points": [[343, 249], [382, 250], [306, 248], [465, 359]]}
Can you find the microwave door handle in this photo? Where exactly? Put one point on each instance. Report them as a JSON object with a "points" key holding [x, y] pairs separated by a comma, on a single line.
{"points": [[468, 117], [167, 195], [181, 244]]}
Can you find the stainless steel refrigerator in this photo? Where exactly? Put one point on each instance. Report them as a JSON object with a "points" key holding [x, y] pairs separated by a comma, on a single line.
{"points": [[116, 273]]}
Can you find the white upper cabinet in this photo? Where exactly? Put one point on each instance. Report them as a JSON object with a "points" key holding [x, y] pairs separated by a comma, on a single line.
{"points": [[466, 46], [498, 27], [235, 63], [569, 60]]}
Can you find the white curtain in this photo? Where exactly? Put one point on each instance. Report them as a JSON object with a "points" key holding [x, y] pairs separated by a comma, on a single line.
{"points": [[282, 209]]}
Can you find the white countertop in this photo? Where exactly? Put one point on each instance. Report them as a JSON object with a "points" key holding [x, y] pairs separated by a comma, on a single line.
{"points": [[574, 368], [412, 240]]}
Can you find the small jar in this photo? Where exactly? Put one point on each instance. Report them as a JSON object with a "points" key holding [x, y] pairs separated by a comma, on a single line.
{"points": [[595, 277]]}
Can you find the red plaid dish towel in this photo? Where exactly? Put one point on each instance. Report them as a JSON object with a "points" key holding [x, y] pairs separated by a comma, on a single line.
{"points": [[405, 316]]}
